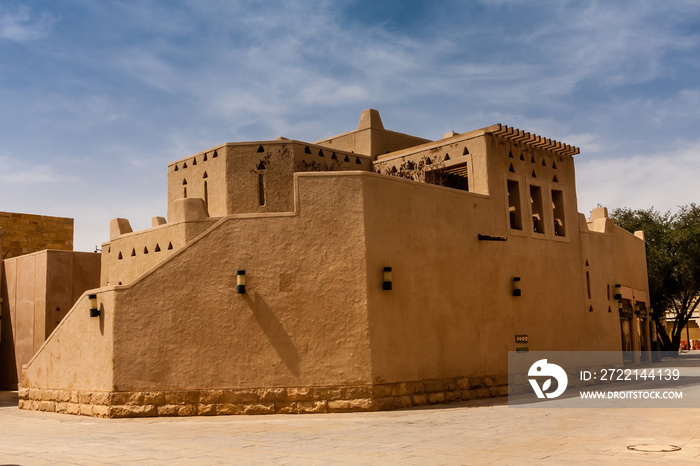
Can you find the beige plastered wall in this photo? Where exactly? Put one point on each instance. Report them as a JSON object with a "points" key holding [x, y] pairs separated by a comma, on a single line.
{"points": [[144, 249], [452, 311], [232, 177], [38, 290], [79, 354], [302, 322]]}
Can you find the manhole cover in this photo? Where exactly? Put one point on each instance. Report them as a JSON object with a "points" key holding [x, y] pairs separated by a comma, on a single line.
{"points": [[653, 448]]}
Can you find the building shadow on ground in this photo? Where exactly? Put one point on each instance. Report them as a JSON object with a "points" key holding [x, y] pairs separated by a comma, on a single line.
{"points": [[8, 398]]}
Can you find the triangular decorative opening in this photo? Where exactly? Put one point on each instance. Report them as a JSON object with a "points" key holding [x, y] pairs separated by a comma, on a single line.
{"points": [[466, 151], [534, 175], [307, 150], [333, 156], [205, 157], [260, 149], [205, 175], [447, 157], [184, 165], [544, 164], [109, 249], [590, 308], [510, 154], [133, 252], [145, 250], [393, 170], [587, 264], [194, 161], [609, 309], [511, 169], [120, 256], [157, 249], [170, 246], [184, 181], [176, 169], [555, 179], [428, 161], [554, 165], [320, 153], [216, 154], [532, 160], [522, 157], [357, 161], [346, 159]]}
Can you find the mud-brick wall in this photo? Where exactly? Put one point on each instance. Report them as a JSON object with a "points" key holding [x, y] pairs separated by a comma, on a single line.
{"points": [[26, 233]]}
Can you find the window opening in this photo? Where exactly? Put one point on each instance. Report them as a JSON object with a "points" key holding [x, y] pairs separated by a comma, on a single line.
{"points": [[514, 216], [455, 177], [588, 284], [261, 189], [558, 213], [536, 205]]}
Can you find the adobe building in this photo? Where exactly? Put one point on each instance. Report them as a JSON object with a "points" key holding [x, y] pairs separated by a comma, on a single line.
{"points": [[369, 270], [41, 277]]}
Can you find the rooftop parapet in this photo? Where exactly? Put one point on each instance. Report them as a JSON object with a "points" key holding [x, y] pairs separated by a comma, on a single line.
{"points": [[518, 135]]}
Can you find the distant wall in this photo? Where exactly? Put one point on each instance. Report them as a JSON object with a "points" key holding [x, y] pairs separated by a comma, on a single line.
{"points": [[38, 290], [27, 233]]}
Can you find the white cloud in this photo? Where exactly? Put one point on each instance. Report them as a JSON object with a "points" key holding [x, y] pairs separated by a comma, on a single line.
{"points": [[662, 180], [22, 25]]}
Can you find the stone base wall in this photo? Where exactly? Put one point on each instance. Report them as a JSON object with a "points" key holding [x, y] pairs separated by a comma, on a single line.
{"points": [[263, 400]]}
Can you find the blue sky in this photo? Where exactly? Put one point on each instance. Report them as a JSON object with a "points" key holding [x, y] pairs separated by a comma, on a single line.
{"points": [[97, 96]]}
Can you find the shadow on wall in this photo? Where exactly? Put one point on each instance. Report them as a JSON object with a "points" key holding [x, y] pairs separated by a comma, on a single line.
{"points": [[8, 359], [274, 332], [8, 399]]}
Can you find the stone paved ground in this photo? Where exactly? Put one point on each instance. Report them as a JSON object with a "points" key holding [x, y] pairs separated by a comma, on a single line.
{"points": [[479, 432], [465, 433]]}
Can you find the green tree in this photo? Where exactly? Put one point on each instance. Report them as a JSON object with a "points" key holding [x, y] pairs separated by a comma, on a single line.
{"points": [[673, 262]]}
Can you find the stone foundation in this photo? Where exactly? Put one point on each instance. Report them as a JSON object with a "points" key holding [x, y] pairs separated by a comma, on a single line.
{"points": [[292, 400]]}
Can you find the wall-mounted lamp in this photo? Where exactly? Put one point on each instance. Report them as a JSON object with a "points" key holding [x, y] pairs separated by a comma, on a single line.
{"points": [[516, 287], [619, 306], [240, 282], [618, 291], [94, 311], [386, 284]]}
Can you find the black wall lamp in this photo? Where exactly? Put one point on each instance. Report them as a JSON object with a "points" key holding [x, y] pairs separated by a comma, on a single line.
{"points": [[386, 284], [516, 287], [618, 291], [240, 282], [94, 311]]}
